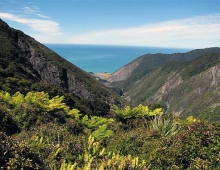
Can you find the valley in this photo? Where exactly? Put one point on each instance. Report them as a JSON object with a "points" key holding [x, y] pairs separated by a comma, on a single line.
{"points": [[157, 112]]}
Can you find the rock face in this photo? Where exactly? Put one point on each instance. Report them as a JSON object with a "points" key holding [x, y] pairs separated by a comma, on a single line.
{"points": [[202, 89], [124, 72], [49, 72], [173, 81]]}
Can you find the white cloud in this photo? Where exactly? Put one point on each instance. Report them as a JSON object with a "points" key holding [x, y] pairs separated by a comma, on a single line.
{"points": [[29, 9], [43, 16], [195, 32], [34, 11], [41, 26]]}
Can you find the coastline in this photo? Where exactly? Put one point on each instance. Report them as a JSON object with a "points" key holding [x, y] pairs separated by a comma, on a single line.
{"points": [[103, 76], [104, 58]]}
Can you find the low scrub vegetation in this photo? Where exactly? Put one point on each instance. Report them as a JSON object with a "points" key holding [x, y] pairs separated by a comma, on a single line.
{"points": [[41, 132]]}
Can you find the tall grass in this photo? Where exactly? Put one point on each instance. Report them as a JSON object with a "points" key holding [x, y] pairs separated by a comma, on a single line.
{"points": [[165, 125]]}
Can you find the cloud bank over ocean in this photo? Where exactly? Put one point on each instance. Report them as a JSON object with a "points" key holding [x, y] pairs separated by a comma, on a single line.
{"points": [[199, 31]]}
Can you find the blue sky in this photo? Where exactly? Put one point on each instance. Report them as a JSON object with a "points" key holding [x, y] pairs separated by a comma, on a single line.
{"points": [[152, 23]]}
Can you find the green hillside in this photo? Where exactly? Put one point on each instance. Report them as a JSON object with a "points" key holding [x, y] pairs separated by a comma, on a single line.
{"points": [[151, 62], [184, 88], [26, 65]]}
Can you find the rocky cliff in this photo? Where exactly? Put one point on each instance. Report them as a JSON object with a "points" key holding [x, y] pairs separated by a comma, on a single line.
{"points": [[185, 97], [124, 72], [52, 73], [34, 62]]}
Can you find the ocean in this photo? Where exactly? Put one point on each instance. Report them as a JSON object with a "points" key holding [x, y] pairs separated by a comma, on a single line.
{"points": [[105, 58]]}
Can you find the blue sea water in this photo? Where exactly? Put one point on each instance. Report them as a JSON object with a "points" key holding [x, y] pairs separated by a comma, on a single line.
{"points": [[104, 58]]}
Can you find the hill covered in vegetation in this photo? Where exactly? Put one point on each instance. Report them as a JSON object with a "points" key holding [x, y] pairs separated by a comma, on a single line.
{"points": [[139, 67], [53, 116], [186, 84], [26, 65]]}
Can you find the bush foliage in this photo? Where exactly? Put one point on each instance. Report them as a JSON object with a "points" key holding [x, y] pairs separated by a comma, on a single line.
{"points": [[41, 132]]}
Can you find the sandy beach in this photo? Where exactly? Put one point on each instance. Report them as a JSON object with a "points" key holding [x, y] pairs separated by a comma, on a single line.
{"points": [[103, 76]]}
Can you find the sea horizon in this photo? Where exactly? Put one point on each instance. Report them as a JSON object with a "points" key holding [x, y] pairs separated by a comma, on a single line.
{"points": [[106, 58]]}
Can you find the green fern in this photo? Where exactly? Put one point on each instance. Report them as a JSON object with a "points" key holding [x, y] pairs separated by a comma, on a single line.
{"points": [[17, 99], [95, 121], [39, 99], [67, 166], [102, 132], [139, 111], [5, 96]]}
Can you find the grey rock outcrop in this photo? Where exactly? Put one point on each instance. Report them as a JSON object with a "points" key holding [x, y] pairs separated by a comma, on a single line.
{"points": [[124, 72], [50, 73]]}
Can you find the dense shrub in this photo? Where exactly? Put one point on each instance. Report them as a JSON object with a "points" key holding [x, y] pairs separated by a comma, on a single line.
{"points": [[17, 155], [197, 147], [7, 124], [47, 134]]}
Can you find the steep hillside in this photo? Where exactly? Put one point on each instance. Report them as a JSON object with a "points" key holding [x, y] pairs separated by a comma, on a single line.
{"points": [[138, 68], [185, 88], [27, 65]]}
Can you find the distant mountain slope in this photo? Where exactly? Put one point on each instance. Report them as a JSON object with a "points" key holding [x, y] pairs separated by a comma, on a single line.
{"points": [[185, 88], [185, 83], [135, 70], [26, 65]]}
